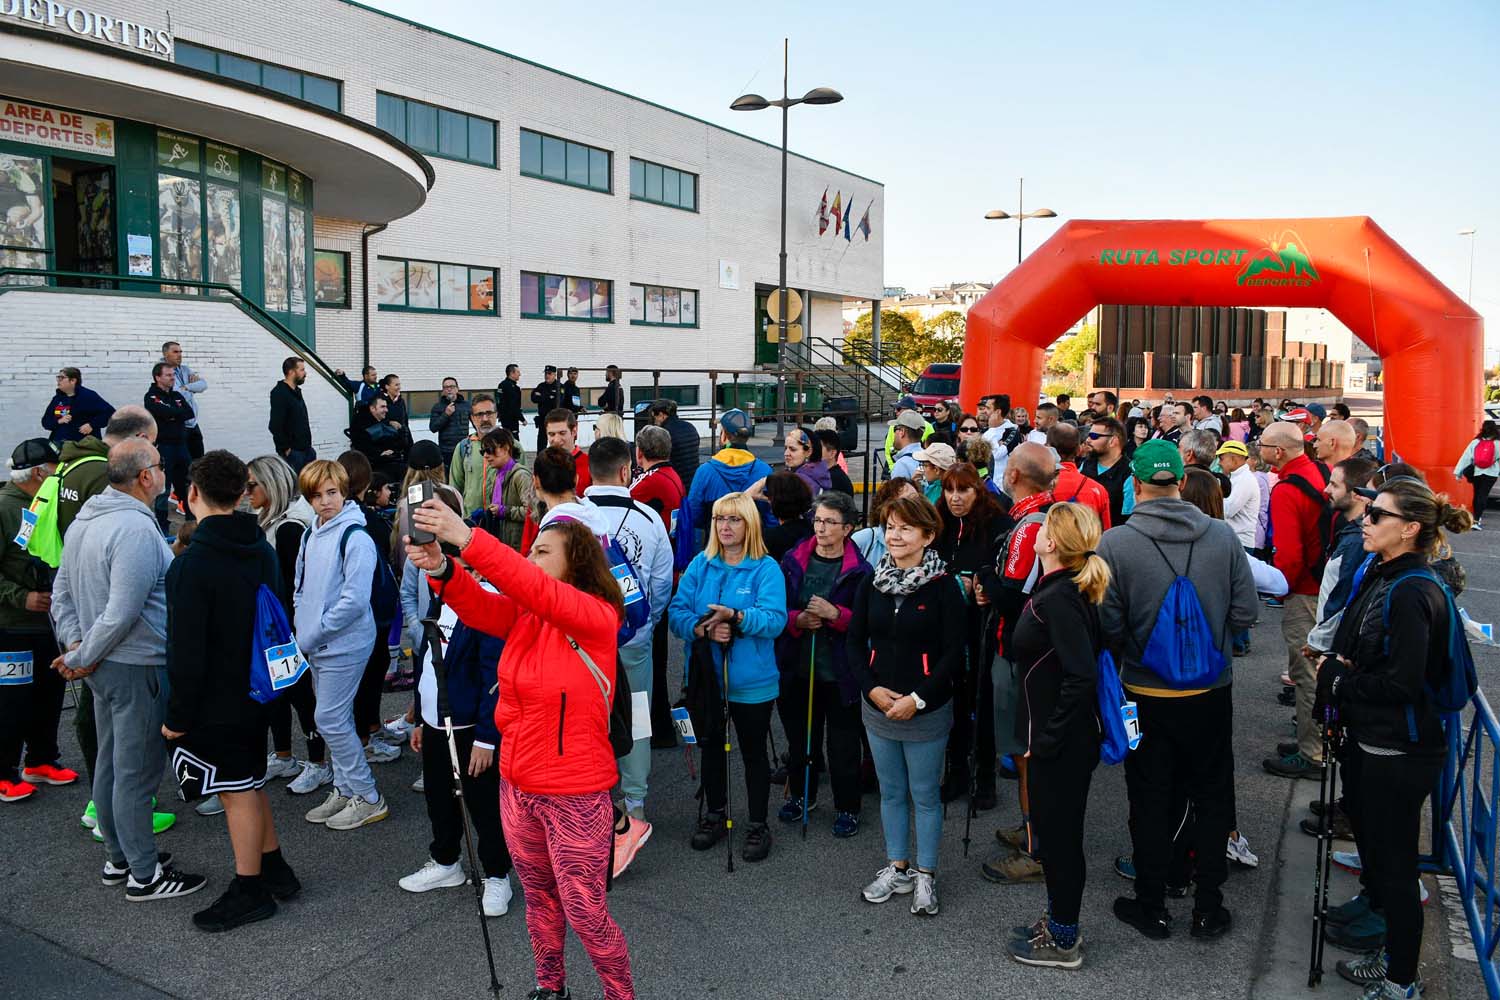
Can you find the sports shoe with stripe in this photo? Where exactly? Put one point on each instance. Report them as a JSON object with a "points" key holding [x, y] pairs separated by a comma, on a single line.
{"points": [[169, 883], [117, 874], [359, 812]]}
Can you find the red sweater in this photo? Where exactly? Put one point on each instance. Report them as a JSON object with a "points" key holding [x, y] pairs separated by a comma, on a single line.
{"points": [[1074, 487], [660, 489], [552, 717], [1294, 526]]}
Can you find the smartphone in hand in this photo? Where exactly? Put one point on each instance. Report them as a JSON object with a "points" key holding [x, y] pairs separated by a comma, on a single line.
{"points": [[416, 495]]}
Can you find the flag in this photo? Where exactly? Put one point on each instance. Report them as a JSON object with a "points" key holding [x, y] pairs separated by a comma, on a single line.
{"points": [[864, 223], [848, 216], [823, 214], [838, 212]]}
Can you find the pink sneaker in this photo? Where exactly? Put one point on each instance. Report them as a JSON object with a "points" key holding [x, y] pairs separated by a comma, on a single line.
{"points": [[630, 842]]}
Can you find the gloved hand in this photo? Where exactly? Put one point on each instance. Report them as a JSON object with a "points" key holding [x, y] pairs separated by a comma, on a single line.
{"points": [[1331, 673]]}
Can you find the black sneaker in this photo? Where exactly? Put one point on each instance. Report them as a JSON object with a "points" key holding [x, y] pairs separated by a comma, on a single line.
{"points": [[117, 876], [1213, 924], [1286, 749], [711, 830], [541, 994], [1179, 891], [279, 879], [984, 796], [757, 842], [1287, 697], [1341, 828], [1155, 923], [240, 904], [169, 882]]}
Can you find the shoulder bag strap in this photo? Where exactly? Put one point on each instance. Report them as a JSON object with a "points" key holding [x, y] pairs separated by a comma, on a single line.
{"points": [[605, 687]]}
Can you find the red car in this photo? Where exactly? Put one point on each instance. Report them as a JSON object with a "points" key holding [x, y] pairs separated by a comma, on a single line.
{"points": [[938, 382]]}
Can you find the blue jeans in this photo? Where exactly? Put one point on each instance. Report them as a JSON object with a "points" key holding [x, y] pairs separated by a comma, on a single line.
{"points": [[635, 767], [910, 770]]}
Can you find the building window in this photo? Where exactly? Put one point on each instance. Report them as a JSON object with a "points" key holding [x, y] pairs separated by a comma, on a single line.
{"points": [[433, 286], [319, 90], [554, 159], [430, 129], [663, 185], [331, 279], [682, 395], [654, 305], [558, 296]]}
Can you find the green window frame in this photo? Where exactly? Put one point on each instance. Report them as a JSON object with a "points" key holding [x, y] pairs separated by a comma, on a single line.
{"points": [[682, 395], [427, 128], [567, 298], [663, 185], [419, 285], [663, 305], [323, 91], [562, 161]]}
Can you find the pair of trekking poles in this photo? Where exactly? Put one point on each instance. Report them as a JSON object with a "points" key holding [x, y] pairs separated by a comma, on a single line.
{"points": [[1322, 869]]}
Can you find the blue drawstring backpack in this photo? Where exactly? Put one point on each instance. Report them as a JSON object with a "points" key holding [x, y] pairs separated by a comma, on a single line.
{"points": [[1117, 717], [275, 661], [1181, 648]]}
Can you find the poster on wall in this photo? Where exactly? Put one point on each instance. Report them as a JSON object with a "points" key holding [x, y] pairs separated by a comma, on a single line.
{"points": [[296, 228], [23, 215], [224, 235], [689, 308], [421, 284], [390, 282], [729, 274], [273, 236], [481, 289], [93, 198], [454, 295], [139, 249], [180, 228], [330, 278]]}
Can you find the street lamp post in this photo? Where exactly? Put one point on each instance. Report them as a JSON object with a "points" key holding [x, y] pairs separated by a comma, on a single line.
{"points": [[1021, 215], [755, 102], [1470, 232]]}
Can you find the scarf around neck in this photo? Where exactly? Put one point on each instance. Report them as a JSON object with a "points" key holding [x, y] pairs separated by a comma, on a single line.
{"points": [[891, 579]]}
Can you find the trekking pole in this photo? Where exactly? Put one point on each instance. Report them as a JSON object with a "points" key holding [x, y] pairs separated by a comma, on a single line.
{"points": [[728, 778], [1322, 864], [445, 711], [972, 810], [812, 673]]}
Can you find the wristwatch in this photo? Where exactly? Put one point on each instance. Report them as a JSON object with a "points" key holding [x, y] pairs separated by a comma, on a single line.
{"points": [[918, 699]]}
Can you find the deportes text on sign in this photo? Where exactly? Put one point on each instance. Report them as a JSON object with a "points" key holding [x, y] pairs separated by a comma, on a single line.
{"points": [[90, 24], [43, 126]]}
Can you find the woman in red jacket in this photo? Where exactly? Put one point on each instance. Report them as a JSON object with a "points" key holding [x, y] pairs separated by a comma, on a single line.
{"points": [[557, 610]]}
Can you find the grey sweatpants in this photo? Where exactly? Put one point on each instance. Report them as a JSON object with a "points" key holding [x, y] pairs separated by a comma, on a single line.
{"points": [[130, 704], [337, 679]]}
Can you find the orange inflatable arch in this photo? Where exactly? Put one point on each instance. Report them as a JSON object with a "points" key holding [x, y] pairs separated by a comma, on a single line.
{"points": [[1430, 342]]}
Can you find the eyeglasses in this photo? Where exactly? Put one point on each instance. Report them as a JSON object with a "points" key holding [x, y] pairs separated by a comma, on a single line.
{"points": [[729, 519], [482, 413], [1094, 435], [1375, 514], [827, 522]]}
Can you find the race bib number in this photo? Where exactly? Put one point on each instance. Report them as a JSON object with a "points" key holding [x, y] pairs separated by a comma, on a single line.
{"points": [[285, 664], [672, 528], [28, 525], [1132, 718], [640, 715], [630, 587], [16, 668], [684, 725]]}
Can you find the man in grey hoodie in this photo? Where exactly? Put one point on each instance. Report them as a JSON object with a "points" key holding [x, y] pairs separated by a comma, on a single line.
{"points": [[1186, 749], [109, 609]]}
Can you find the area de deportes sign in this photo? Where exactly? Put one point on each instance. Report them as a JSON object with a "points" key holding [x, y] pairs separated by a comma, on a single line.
{"points": [[43, 126], [1282, 261]]}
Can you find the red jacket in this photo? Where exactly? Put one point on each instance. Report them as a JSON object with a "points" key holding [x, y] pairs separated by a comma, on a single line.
{"points": [[1074, 487], [552, 717], [581, 467], [660, 489], [1294, 526]]}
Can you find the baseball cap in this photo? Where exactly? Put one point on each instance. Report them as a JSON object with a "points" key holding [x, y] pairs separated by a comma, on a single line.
{"points": [[1298, 415], [424, 455], [735, 423], [1135, 411], [906, 403], [31, 453], [1233, 448], [911, 420], [1155, 460], [939, 454], [1317, 410]]}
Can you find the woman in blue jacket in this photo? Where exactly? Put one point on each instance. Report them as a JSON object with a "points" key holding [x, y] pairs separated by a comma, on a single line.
{"points": [[733, 594]]}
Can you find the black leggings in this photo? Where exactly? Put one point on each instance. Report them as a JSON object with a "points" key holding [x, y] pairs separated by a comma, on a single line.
{"points": [[1059, 797], [1482, 487], [481, 795], [303, 699], [843, 726], [752, 726], [1384, 797]]}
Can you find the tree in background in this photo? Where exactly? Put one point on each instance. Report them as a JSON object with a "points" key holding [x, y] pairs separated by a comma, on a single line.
{"points": [[907, 340], [1069, 358]]}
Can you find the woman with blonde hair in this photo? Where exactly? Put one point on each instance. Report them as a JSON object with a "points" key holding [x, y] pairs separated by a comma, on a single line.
{"points": [[733, 594], [610, 425], [1056, 647]]}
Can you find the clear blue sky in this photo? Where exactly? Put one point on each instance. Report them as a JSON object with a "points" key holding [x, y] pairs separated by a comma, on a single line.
{"points": [[1109, 110]]}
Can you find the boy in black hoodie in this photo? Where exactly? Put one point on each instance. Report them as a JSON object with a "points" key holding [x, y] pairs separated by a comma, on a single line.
{"points": [[217, 731]]}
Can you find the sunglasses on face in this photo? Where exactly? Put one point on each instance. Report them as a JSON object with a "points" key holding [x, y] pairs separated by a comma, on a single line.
{"points": [[968, 429], [1094, 435], [1375, 514]]}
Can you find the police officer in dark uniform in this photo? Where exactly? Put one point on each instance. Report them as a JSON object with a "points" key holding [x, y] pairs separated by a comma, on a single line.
{"points": [[547, 396]]}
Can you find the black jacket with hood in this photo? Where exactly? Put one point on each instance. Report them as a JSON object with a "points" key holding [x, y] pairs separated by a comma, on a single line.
{"points": [[1056, 648], [211, 592]]}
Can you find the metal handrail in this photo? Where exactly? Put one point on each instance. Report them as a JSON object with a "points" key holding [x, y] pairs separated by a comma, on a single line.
{"points": [[1465, 809], [249, 307]]}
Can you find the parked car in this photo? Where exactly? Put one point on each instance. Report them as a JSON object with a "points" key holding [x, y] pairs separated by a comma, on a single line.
{"points": [[938, 381]]}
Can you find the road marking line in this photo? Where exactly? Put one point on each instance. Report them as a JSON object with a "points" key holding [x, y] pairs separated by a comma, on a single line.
{"points": [[1458, 923]]}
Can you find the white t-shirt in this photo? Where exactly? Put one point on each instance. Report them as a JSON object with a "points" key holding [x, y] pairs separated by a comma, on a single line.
{"points": [[1242, 506], [427, 682]]}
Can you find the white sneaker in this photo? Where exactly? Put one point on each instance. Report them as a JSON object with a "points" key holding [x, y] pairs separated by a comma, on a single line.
{"points": [[395, 731], [360, 812], [420, 785], [889, 881], [281, 767], [210, 806], [497, 895], [924, 901], [379, 752], [312, 778], [435, 876], [331, 807], [1238, 851]]}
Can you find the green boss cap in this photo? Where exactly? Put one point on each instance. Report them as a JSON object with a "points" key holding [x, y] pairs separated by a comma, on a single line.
{"points": [[1157, 462]]}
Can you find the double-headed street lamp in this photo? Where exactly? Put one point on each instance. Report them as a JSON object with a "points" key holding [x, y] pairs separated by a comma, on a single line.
{"points": [[1470, 233], [1021, 215], [754, 102]]}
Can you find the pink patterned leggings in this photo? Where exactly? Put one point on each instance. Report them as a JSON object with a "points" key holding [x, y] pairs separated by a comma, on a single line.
{"points": [[560, 845]]}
